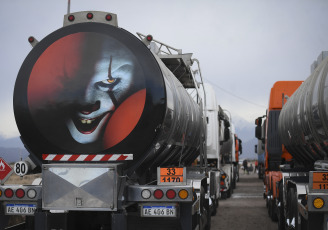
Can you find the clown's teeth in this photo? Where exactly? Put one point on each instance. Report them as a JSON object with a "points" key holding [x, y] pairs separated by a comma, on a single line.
{"points": [[86, 121]]}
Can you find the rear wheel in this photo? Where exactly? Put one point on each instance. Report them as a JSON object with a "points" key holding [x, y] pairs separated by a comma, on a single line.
{"points": [[202, 209], [229, 192], [292, 212], [280, 209], [214, 206], [274, 216], [224, 195]]}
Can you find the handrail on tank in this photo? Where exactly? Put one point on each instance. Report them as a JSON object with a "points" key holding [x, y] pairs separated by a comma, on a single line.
{"points": [[161, 45], [201, 82]]}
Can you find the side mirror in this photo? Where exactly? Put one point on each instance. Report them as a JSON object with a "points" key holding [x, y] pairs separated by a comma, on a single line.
{"points": [[258, 132], [258, 121], [255, 148]]}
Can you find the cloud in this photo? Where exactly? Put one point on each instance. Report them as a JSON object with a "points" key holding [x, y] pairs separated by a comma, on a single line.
{"points": [[243, 46]]}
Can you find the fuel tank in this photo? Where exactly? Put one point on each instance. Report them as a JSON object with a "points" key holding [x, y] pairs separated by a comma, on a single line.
{"points": [[95, 92], [303, 121]]}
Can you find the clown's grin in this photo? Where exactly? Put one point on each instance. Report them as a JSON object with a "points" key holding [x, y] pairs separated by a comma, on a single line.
{"points": [[87, 125]]}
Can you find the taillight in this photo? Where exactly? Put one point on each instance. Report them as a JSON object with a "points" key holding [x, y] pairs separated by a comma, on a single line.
{"points": [[158, 194], [149, 38], [71, 18], [31, 193], [20, 193], [109, 17], [170, 194], [183, 194], [0, 193], [9, 193], [145, 194], [222, 182], [31, 39], [89, 15]]}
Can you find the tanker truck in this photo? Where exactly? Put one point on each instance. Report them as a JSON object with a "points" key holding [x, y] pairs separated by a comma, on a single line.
{"points": [[114, 125], [227, 156], [302, 126], [275, 153]]}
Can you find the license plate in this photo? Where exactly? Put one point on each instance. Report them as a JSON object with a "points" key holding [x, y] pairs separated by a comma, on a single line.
{"points": [[158, 211], [320, 180], [20, 209]]}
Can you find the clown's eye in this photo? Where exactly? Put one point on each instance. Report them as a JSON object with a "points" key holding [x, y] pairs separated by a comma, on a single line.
{"points": [[111, 81], [107, 84]]}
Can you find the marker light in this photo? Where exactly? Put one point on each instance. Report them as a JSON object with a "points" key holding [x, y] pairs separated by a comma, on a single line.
{"points": [[71, 18], [149, 38], [170, 194], [183, 194], [89, 15], [318, 202], [145, 194], [158, 194], [0, 193], [223, 176], [31, 39], [108, 17], [31, 193], [9, 193], [20, 193]]}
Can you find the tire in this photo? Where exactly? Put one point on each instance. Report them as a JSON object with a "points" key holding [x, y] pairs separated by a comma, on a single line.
{"points": [[269, 207], [202, 208], [274, 216], [280, 210], [229, 192], [214, 206], [208, 215], [292, 212], [234, 184], [208, 224]]}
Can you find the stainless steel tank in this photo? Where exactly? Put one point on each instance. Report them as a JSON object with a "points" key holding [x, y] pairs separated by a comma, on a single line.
{"points": [[303, 121], [91, 90]]}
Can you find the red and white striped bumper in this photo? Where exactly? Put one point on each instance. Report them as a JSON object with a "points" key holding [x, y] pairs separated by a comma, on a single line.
{"points": [[87, 157]]}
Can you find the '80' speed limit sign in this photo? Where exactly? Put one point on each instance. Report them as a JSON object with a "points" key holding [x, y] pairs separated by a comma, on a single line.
{"points": [[21, 168]]}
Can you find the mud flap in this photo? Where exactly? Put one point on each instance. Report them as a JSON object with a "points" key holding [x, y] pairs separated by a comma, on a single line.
{"points": [[119, 221], [47, 221], [3, 218]]}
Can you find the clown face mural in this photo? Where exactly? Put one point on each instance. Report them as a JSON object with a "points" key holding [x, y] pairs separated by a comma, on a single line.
{"points": [[82, 87], [102, 95]]}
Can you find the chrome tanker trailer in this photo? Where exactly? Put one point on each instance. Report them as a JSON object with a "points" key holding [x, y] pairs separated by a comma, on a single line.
{"points": [[114, 124], [303, 129]]}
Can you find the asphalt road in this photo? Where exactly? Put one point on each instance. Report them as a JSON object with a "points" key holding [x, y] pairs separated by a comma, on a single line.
{"points": [[245, 209]]}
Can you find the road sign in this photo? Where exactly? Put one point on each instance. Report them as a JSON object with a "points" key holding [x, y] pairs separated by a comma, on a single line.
{"points": [[5, 171]]}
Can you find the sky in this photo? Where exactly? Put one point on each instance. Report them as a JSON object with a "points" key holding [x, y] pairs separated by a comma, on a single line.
{"points": [[243, 46]]}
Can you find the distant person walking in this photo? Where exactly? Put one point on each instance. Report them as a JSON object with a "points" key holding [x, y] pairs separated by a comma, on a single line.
{"points": [[245, 166], [250, 169]]}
